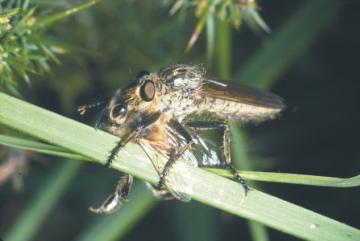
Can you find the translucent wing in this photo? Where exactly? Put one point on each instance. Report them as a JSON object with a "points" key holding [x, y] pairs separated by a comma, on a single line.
{"points": [[242, 94], [201, 153], [174, 185]]}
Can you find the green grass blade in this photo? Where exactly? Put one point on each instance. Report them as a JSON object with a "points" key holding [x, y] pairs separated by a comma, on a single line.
{"points": [[289, 43], [210, 39], [39, 207], [257, 231], [263, 69], [199, 27], [115, 226], [223, 49], [38, 147], [203, 186], [288, 178], [240, 152]]}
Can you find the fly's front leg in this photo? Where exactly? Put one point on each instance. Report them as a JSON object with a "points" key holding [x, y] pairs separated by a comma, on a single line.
{"points": [[226, 148], [116, 199], [118, 147], [175, 154], [138, 125]]}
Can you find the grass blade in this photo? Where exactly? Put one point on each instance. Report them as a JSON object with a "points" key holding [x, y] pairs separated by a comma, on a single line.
{"points": [[257, 231], [288, 178], [203, 186], [38, 147]]}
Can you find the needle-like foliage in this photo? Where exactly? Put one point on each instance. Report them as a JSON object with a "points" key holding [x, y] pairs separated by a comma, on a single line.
{"points": [[25, 46]]}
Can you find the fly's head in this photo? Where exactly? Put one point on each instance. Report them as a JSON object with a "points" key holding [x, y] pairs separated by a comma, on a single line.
{"points": [[130, 106]]}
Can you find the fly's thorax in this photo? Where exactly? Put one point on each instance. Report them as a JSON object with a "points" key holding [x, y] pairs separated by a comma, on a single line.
{"points": [[178, 102], [179, 76], [180, 90]]}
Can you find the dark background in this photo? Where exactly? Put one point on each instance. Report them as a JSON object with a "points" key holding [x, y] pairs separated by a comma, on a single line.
{"points": [[318, 134]]}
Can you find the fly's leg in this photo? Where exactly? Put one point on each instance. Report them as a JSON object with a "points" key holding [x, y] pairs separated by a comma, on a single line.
{"points": [[160, 194], [175, 154], [237, 177], [118, 147], [226, 143], [138, 126], [116, 199], [83, 108], [227, 154], [173, 157], [166, 169], [226, 148]]}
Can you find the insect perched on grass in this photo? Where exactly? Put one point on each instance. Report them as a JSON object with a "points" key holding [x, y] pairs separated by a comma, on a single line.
{"points": [[163, 113]]}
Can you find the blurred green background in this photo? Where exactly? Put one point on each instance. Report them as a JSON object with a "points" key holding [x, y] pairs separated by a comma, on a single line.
{"points": [[310, 59]]}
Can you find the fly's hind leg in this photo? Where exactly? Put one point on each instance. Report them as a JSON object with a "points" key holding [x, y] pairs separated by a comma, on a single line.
{"points": [[228, 165], [226, 148]]}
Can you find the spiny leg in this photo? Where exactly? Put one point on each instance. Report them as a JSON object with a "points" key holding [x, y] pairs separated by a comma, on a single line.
{"points": [[166, 169], [175, 154], [172, 159], [116, 199], [227, 154], [118, 147], [137, 128], [158, 193], [226, 148]]}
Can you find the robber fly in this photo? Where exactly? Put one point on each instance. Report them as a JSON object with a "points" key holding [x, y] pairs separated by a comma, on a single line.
{"points": [[162, 113]]}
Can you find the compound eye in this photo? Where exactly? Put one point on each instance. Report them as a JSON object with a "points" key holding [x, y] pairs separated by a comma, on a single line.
{"points": [[118, 110], [142, 74], [147, 90]]}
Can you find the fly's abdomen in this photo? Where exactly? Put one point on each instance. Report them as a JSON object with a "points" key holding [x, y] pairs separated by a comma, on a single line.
{"points": [[227, 109]]}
